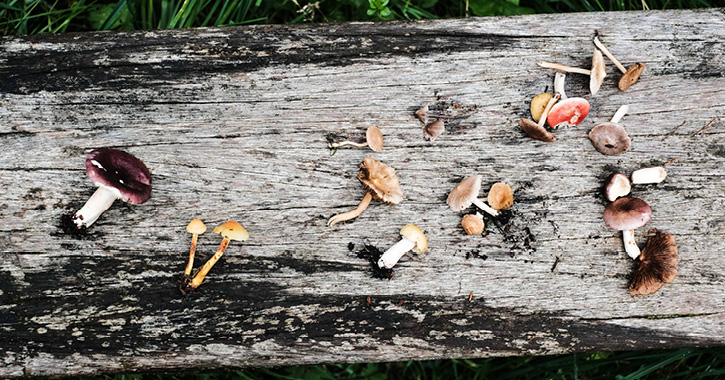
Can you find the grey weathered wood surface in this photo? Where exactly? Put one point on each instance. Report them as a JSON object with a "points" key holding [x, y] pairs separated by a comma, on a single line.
{"points": [[233, 123]]}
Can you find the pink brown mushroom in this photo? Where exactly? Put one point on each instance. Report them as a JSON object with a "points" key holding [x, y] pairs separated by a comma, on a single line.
{"points": [[627, 214], [466, 193], [610, 138], [657, 265]]}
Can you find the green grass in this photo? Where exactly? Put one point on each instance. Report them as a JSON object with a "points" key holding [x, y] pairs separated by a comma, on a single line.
{"points": [[680, 364], [58, 16]]}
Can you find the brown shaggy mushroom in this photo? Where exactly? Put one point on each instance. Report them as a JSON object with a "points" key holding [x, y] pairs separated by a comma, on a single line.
{"points": [[657, 264]]}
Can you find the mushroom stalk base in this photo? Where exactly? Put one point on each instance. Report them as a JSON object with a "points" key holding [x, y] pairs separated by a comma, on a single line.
{"points": [[199, 278], [99, 202], [485, 207], [394, 253], [630, 245]]}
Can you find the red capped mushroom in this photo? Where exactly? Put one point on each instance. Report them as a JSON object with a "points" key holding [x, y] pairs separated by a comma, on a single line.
{"points": [[570, 111], [118, 175]]}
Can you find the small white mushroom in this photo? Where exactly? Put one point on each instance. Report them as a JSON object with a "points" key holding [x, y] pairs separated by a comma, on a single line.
{"points": [[656, 174], [413, 238]]}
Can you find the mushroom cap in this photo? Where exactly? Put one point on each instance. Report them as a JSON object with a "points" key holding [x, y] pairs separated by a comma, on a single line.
{"points": [[422, 114], [473, 224], [120, 171], [598, 72], [464, 193], [434, 129], [631, 76], [627, 214], [196, 227], [571, 111], [374, 138], [232, 230], [617, 185], [413, 233], [380, 181], [535, 131], [657, 264], [500, 197], [610, 138], [538, 104]]}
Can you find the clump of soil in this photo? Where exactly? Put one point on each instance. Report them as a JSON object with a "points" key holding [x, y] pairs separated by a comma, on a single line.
{"points": [[372, 255], [70, 228]]}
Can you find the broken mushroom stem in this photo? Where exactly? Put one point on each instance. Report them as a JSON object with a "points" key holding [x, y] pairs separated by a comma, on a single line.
{"points": [[549, 105], [479, 203], [568, 69], [609, 55], [596, 74], [345, 216], [630, 244], [620, 113], [559, 80]]}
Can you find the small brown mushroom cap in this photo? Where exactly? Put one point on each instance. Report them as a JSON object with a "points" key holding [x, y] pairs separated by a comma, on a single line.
{"points": [[630, 77], [464, 193], [535, 131], [627, 214], [617, 185], [538, 104], [196, 227], [610, 139], [500, 197], [374, 138], [473, 224], [657, 264], [422, 114], [380, 181], [434, 129]]}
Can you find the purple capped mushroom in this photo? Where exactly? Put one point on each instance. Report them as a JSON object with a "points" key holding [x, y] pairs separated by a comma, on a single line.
{"points": [[118, 175], [627, 214]]}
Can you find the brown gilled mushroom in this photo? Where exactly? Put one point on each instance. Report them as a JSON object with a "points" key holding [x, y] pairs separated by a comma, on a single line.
{"points": [[627, 214], [373, 139], [380, 182], [630, 75], [596, 74], [617, 185], [610, 138], [657, 264], [434, 129], [473, 224], [466, 193], [536, 130]]}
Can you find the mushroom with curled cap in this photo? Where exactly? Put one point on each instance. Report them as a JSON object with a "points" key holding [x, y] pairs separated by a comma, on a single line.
{"points": [[380, 182], [196, 227], [466, 193], [617, 185], [657, 264], [118, 175], [413, 239], [230, 230], [473, 224], [596, 74], [630, 75], [433, 130], [610, 138], [627, 214], [569, 111], [373, 139]]}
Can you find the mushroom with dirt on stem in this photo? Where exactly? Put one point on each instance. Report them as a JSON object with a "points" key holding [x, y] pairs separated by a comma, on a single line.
{"points": [[196, 227], [373, 139], [413, 239], [570, 111], [657, 265], [644, 176], [380, 182], [118, 175], [630, 75], [627, 214], [610, 138], [473, 224], [537, 130], [596, 73], [617, 185], [230, 230], [466, 193]]}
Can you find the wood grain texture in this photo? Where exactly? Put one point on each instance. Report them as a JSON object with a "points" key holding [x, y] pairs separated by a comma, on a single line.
{"points": [[233, 124]]}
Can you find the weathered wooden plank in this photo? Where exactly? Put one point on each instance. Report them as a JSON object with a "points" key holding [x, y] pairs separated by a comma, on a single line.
{"points": [[233, 124]]}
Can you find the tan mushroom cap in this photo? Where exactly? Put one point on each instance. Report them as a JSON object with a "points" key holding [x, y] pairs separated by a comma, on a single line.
{"points": [[434, 129], [380, 181], [233, 231], [610, 139], [374, 138], [538, 104], [464, 193], [473, 224], [196, 227], [657, 264], [413, 233], [500, 197], [598, 72], [630, 77]]}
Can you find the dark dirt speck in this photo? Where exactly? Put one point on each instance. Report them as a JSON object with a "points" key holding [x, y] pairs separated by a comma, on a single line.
{"points": [[372, 255]]}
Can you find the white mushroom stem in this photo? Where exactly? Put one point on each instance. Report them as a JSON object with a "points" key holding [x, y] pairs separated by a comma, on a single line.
{"points": [[99, 202], [630, 245], [479, 203], [344, 143], [559, 80], [549, 105], [649, 175], [394, 253], [566, 68], [620, 113], [609, 55]]}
